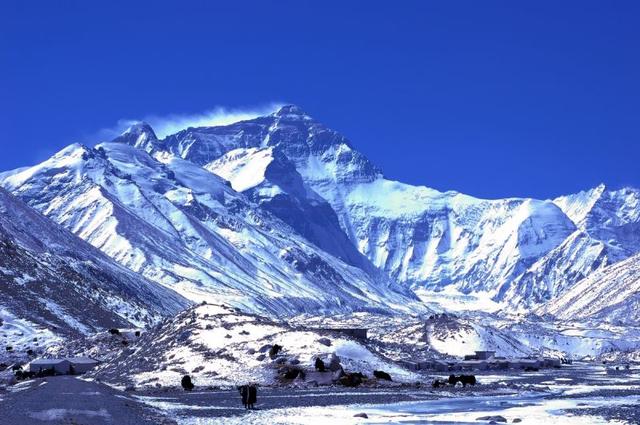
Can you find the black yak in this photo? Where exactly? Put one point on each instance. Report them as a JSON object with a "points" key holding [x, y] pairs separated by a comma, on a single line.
{"points": [[463, 379], [382, 375], [274, 350], [186, 383]]}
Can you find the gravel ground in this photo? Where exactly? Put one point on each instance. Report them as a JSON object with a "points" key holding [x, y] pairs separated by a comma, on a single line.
{"points": [[228, 403], [68, 400], [629, 413]]}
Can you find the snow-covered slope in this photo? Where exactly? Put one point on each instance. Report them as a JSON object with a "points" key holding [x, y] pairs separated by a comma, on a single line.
{"points": [[270, 179], [611, 218], [611, 294], [54, 285], [428, 337], [447, 335], [182, 226], [607, 231], [523, 251], [221, 346]]}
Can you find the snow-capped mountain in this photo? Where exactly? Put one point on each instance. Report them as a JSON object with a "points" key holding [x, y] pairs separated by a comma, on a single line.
{"points": [[186, 228], [55, 285], [301, 221], [523, 251], [611, 294]]}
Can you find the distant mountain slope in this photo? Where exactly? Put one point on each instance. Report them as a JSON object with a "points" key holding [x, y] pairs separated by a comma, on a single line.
{"points": [[53, 284], [610, 294], [607, 231], [522, 251], [180, 225]]}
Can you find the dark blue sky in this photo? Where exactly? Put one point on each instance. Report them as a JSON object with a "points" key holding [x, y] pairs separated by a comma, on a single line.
{"points": [[493, 99]]}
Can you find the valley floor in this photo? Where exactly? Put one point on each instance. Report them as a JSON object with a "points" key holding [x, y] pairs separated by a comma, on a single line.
{"points": [[69, 400], [577, 394]]}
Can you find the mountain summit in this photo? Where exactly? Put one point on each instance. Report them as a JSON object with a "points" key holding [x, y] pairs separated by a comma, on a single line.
{"points": [[291, 111], [139, 135]]}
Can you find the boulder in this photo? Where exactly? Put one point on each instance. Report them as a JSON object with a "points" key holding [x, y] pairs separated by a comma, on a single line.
{"points": [[495, 418], [265, 348], [320, 378], [334, 363], [184, 335], [325, 341]]}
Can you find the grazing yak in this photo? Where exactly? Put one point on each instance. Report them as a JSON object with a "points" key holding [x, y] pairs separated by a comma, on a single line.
{"points": [[274, 350], [382, 375], [351, 379], [319, 365], [463, 379], [453, 380], [438, 383], [186, 383]]}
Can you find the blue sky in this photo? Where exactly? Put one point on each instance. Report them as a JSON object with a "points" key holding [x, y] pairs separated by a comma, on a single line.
{"points": [[489, 98]]}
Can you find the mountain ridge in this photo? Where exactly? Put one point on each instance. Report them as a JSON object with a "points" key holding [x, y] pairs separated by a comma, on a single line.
{"points": [[518, 251], [409, 232], [184, 227]]}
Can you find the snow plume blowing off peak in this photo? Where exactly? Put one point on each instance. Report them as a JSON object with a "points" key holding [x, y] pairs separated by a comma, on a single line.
{"points": [[164, 125]]}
